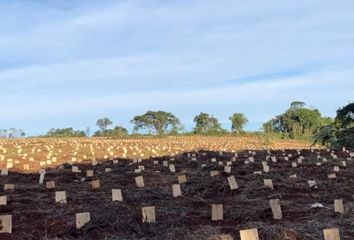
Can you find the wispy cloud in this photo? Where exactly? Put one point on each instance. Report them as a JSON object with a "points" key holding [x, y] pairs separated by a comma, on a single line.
{"points": [[69, 63]]}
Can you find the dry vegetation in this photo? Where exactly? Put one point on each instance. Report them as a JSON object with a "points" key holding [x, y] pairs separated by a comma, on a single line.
{"points": [[31, 155]]}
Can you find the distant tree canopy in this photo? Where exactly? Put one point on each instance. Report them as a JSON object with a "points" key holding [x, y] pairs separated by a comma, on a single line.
{"points": [[12, 133], [340, 132], [206, 124], [297, 122], [65, 132], [157, 122], [238, 121], [117, 131], [103, 123], [297, 105]]}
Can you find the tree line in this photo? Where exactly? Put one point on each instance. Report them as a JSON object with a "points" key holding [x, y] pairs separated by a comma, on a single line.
{"points": [[297, 122]]}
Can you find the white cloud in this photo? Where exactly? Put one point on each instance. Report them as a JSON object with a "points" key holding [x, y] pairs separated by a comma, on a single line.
{"points": [[184, 56]]}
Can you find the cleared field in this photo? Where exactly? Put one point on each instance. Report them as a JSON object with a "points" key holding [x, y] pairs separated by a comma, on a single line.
{"points": [[31, 155], [178, 192]]}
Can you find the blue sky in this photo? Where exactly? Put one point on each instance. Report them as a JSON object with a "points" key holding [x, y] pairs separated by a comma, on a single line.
{"points": [[66, 63]]}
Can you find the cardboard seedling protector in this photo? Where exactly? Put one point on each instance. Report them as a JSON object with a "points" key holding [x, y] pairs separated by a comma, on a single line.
{"points": [[95, 184], [249, 234], [75, 169], [176, 190], [227, 169], [338, 206], [293, 176], [312, 184], [4, 172], [182, 179], [60, 197], [9, 187], [82, 219], [148, 214], [89, 173], [214, 173], [217, 212], [276, 209], [331, 234], [232, 183], [50, 184], [268, 183], [332, 176], [117, 195], [41, 176], [3, 200], [139, 181], [172, 168], [5, 223]]}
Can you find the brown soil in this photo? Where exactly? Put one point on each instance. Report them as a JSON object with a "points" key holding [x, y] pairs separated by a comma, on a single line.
{"points": [[37, 216]]}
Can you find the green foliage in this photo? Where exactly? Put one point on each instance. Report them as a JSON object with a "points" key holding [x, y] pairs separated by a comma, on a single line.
{"points": [[238, 121], [297, 122], [158, 122], [268, 132], [345, 116], [206, 124], [103, 123], [65, 132], [12, 133], [297, 105], [118, 131], [339, 133]]}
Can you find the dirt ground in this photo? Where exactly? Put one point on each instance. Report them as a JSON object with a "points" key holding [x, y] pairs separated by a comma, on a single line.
{"points": [[36, 215]]}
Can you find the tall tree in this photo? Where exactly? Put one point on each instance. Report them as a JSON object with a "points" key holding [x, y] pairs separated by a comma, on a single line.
{"points": [[297, 105], [298, 121], [65, 132], [238, 121], [159, 122], [340, 132], [117, 131], [206, 124], [103, 123]]}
